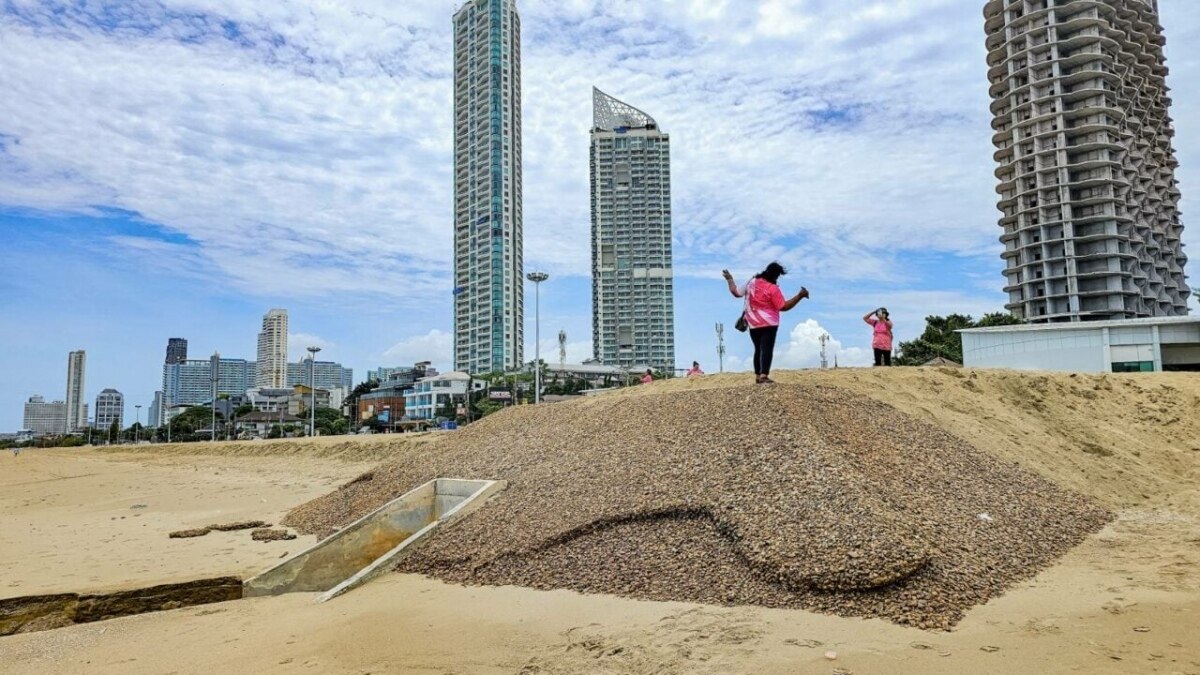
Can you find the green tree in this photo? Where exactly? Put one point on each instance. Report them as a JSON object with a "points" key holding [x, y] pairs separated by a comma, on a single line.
{"points": [[114, 432], [941, 337]]}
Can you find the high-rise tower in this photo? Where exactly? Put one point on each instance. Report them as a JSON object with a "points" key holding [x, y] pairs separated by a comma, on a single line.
{"points": [[633, 306], [1087, 173], [76, 407], [489, 308], [176, 350], [271, 367]]}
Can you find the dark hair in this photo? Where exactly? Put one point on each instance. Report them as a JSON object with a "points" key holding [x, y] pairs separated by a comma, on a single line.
{"points": [[772, 273]]}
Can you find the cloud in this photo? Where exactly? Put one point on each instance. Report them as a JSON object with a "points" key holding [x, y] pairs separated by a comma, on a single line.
{"points": [[435, 346], [298, 344], [286, 136], [803, 349]]}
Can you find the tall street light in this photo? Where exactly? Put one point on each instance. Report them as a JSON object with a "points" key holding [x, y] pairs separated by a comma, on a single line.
{"points": [[312, 388], [137, 431], [537, 278], [215, 368]]}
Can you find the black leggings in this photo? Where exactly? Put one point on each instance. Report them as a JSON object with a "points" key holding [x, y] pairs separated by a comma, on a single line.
{"points": [[883, 357], [764, 348]]}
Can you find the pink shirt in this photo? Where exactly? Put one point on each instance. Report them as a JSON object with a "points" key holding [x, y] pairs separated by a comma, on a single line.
{"points": [[764, 303], [647, 379], [694, 372], [883, 334]]}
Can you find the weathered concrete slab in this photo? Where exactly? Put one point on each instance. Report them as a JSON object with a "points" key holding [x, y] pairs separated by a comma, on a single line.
{"points": [[369, 545]]}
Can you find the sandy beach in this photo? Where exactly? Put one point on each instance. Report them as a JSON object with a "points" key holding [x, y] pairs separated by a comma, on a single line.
{"points": [[1127, 600]]}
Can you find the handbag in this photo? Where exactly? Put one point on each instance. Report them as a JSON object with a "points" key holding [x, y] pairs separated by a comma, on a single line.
{"points": [[742, 325]]}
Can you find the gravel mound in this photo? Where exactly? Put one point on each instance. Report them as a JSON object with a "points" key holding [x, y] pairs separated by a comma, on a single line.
{"points": [[784, 496]]}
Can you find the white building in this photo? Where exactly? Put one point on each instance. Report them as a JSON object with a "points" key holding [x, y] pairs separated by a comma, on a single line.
{"points": [[430, 394], [489, 287], [110, 407], [271, 368], [1131, 345], [633, 306], [77, 417], [45, 419]]}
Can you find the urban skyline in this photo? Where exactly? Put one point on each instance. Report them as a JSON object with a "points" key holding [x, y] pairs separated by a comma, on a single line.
{"points": [[886, 92]]}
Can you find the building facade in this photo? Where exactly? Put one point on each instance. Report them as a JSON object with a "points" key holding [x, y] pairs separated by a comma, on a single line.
{"points": [[489, 287], [45, 419], [77, 417], [110, 407], [1088, 195], [431, 394], [633, 302], [410, 373], [1120, 346], [272, 365], [190, 382], [176, 350], [327, 374]]}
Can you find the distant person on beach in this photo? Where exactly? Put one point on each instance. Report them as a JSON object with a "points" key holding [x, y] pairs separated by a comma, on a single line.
{"points": [[760, 314], [882, 340], [648, 377], [16, 451], [695, 371]]}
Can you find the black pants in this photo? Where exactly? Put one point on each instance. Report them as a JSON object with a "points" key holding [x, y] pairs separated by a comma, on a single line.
{"points": [[764, 348], [883, 357]]}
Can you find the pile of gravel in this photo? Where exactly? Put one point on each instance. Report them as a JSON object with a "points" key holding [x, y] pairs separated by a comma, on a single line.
{"points": [[783, 496]]}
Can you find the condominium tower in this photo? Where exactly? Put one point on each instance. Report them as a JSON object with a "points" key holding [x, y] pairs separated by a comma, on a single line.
{"points": [[633, 307], [1087, 173], [488, 264], [77, 418], [110, 407], [176, 350], [271, 366]]}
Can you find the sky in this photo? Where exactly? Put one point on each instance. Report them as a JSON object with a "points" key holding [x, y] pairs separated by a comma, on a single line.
{"points": [[175, 168]]}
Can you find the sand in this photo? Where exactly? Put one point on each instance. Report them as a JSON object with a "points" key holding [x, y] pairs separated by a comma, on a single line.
{"points": [[79, 520], [1127, 600]]}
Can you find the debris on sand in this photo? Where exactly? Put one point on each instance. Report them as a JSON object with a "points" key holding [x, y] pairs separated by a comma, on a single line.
{"points": [[188, 534], [271, 535], [783, 496], [240, 525]]}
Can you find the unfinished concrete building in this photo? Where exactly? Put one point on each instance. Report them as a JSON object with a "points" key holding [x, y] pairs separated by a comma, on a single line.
{"points": [[1086, 168], [633, 305]]}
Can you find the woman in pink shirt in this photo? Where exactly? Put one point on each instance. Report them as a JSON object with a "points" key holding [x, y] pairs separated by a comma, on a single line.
{"points": [[882, 340], [764, 302], [648, 377]]}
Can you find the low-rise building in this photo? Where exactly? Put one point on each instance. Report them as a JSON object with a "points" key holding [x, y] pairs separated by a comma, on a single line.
{"points": [[1128, 345], [431, 394], [259, 424]]}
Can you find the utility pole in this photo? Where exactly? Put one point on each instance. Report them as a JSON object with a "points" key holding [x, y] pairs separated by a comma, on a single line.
{"points": [[137, 430], [216, 384], [312, 388], [537, 278], [824, 356], [721, 345]]}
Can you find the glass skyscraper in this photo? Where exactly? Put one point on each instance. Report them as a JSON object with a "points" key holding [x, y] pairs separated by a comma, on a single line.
{"points": [[488, 263], [633, 306]]}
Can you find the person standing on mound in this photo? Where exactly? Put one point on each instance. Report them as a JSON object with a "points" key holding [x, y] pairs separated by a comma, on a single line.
{"points": [[882, 340], [763, 303]]}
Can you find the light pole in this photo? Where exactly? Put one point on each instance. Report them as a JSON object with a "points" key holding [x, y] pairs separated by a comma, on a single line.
{"points": [[312, 388], [137, 431], [721, 345], [215, 369], [537, 278]]}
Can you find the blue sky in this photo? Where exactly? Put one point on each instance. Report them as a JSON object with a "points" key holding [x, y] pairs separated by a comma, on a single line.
{"points": [[177, 167]]}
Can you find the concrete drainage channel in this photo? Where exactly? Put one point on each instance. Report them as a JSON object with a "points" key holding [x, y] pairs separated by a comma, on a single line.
{"points": [[351, 557]]}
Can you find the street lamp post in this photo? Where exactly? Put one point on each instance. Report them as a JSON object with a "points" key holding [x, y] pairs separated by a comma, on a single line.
{"points": [[537, 278], [312, 388], [137, 431], [215, 369]]}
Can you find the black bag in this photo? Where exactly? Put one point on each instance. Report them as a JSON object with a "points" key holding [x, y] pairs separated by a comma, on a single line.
{"points": [[741, 324]]}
